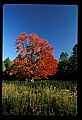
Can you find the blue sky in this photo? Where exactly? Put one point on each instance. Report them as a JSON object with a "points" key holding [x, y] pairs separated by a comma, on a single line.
{"points": [[56, 23]]}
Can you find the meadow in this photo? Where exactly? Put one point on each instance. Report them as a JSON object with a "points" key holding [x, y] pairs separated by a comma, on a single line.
{"points": [[54, 97]]}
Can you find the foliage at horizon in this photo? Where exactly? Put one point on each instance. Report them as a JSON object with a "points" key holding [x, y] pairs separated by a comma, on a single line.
{"points": [[68, 66]]}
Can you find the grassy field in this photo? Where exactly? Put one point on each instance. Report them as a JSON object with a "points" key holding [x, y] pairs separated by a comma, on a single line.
{"points": [[39, 98]]}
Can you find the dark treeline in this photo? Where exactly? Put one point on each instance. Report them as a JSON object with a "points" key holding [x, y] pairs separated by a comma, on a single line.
{"points": [[67, 67]]}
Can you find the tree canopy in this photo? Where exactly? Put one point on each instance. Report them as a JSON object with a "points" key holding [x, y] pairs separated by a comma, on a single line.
{"points": [[67, 66], [35, 58]]}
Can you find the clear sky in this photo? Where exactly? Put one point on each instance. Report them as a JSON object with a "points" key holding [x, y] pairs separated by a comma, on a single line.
{"points": [[56, 23]]}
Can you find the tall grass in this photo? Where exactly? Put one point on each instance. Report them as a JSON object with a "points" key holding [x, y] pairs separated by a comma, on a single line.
{"points": [[42, 99]]}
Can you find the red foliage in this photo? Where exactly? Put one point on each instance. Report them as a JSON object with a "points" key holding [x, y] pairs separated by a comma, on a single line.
{"points": [[35, 57]]}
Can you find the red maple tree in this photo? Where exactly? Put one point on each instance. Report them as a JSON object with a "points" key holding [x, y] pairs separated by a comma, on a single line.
{"points": [[35, 58]]}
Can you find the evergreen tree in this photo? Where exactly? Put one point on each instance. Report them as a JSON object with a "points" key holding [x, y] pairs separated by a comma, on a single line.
{"points": [[7, 64], [73, 61], [3, 67]]}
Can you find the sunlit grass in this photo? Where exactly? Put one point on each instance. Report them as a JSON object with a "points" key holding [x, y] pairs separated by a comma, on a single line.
{"points": [[42, 99]]}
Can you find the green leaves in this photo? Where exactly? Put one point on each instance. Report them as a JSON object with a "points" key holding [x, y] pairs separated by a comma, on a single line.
{"points": [[3, 67], [7, 63], [67, 67], [63, 56]]}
